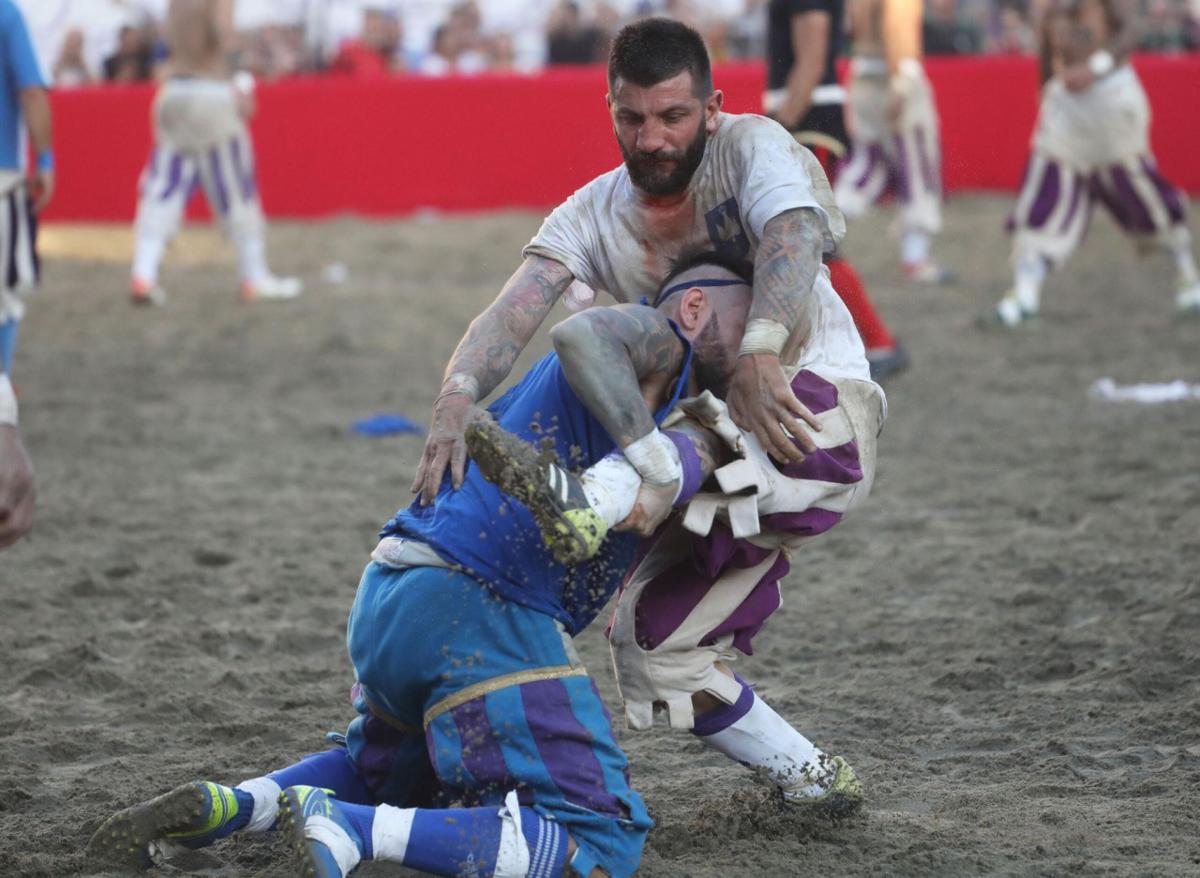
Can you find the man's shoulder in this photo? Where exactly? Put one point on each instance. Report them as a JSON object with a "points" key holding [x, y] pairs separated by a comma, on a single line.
{"points": [[737, 129]]}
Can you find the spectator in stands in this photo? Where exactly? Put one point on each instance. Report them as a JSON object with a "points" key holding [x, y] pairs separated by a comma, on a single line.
{"points": [[134, 59], [377, 50], [1167, 28], [1012, 34], [944, 33], [571, 40], [71, 69]]}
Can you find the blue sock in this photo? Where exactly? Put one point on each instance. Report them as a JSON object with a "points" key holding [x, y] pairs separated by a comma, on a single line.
{"points": [[457, 841], [245, 803], [8, 344], [329, 770]]}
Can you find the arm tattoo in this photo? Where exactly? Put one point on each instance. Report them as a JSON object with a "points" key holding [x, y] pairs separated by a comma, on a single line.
{"points": [[497, 336], [608, 354], [786, 265]]}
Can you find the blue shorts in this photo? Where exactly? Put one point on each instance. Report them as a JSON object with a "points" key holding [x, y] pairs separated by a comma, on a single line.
{"points": [[499, 700]]}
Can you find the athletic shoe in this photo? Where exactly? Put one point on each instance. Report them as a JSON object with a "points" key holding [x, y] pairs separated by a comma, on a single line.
{"points": [[304, 808], [886, 362], [843, 796], [570, 528], [928, 273], [1188, 299], [1008, 313], [146, 292], [193, 815], [272, 288]]}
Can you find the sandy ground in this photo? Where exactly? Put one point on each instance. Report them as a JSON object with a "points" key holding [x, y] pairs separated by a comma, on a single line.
{"points": [[1004, 642]]}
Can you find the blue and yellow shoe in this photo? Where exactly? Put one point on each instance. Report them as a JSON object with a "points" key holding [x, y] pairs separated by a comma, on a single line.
{"points": [[570, 528], [193, 815], [322, 839]]}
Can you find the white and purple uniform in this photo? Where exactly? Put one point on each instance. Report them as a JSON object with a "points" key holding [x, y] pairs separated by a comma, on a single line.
{"points": [[200, 139], [708, 591], [1088, 147]]}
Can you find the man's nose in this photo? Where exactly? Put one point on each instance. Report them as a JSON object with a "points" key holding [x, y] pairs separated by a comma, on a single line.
{"points": [[651, 136]]}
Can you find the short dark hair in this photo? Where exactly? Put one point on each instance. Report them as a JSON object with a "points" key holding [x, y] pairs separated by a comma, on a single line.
{"points": [[696, 257], [652, 50]]}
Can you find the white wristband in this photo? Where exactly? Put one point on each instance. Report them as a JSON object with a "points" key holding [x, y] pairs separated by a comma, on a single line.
{"points": [[461, 382], [243, 82], [763, 337], [1101, 62], [8, 402], [656, 458]]}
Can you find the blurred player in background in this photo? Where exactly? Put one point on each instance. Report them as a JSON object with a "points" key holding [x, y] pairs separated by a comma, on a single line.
{"points": [[24, 107], [1091, 144], [804, 38], [200, 134], [894, 124]]}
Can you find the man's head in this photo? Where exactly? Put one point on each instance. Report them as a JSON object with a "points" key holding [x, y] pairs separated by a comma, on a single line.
{"points": [[708, 295], [662, 102]]}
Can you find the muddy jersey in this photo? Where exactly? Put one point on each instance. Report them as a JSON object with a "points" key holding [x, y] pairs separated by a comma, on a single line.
{"points": [[616, 239]]}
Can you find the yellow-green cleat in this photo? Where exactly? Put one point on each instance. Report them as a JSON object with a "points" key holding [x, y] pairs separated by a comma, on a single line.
{"points": [[570, 528], [842, 798], [192, 815]]}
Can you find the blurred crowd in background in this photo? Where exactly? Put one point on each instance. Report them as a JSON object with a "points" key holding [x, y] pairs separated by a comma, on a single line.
{"points": [[93, 41]]}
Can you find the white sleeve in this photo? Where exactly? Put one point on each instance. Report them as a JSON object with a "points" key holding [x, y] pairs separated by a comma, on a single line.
{"points": [[568, 235], [778, 174]]}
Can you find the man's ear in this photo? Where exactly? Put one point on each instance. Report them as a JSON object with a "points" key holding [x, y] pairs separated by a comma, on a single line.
{"points": [[693, 308], [712, 107]]}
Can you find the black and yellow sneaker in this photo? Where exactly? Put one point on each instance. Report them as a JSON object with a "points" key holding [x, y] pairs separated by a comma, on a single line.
{"points": [[193, 815], [842, 796], [570, 528]]}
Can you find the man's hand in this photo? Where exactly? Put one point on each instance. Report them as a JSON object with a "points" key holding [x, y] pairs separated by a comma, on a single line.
{"points": [[17, 494], [762, 402], [41, 187], [653, 505], [445, 445]]}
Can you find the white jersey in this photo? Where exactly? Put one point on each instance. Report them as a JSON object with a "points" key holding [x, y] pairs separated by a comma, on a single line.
{"points": [[616, 239]]}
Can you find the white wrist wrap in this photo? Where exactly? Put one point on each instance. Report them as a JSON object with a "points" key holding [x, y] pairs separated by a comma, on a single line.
{"points": [[460, 382], [763, 337], [243, 82], [1101, 62], [8, 402], [656, 458]]}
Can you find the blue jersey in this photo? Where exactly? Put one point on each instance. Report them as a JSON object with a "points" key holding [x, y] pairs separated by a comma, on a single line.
{"points": [[20, 70], [495, 539]]}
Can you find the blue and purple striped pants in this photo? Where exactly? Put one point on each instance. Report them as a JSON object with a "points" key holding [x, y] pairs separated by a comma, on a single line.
{"points": [[495, 695]]}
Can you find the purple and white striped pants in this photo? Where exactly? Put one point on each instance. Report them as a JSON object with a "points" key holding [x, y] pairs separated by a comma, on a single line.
{"points": [[200, 141], [691, 600], [904, 157]]}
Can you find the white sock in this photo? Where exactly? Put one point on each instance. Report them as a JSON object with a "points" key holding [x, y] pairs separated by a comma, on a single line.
{"points": [[611, 487], [914, 246], [252, 258], [1185, 264], [390, 831], [764, 739], [1030, 274], [147, 256], [324, 830], [266, 803]]}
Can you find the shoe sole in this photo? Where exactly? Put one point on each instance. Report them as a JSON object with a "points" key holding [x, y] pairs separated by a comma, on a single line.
{"points": [[513, 466], [291, 827], [125, 837]]}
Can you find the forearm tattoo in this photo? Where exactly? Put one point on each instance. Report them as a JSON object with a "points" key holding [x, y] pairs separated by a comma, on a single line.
{"points": [[786, 265], [497, 336], [613, 357]]}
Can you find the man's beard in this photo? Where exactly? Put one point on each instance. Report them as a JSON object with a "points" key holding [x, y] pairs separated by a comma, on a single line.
{"points": [[710, 360], [647, 174]]}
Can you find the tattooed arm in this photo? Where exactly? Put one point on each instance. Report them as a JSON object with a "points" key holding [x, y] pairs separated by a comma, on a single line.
{"points": [[619, 361], [760, 398], [482, 360]]}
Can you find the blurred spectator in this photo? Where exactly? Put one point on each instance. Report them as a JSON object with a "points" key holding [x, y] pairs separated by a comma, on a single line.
{"points": [[272, 51], [1012, 34], [571, 40], [377, 50], [944, 33], [70, 69], [134, 58], [1168, 28]]}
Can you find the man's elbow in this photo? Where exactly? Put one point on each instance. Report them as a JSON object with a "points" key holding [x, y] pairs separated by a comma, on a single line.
{"points": [[572, 333]]}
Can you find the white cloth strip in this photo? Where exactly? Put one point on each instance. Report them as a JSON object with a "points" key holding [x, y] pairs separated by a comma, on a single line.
{"points": [[266, 802], [390, 832]]}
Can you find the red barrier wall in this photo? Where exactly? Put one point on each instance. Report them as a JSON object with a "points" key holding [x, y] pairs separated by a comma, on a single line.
{"points": [[389, 146]]}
